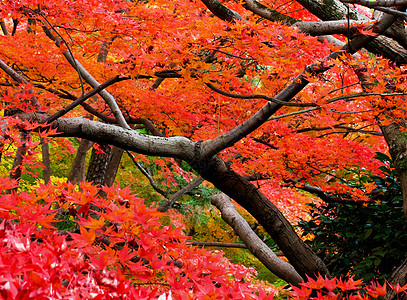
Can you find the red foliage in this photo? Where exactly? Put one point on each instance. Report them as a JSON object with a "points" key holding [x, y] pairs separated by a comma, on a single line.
{"points": [[119, 251], [335, 288]]}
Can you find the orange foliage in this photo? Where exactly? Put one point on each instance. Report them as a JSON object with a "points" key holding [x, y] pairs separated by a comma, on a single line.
{"points": [[253, 57]]}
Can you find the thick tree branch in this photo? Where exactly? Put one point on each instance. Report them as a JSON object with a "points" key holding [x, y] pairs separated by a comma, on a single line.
{"points": [[376, 3], [335, 10], [267, 13], [221, 11], [390, 11], [256, 246], [213, 169]]}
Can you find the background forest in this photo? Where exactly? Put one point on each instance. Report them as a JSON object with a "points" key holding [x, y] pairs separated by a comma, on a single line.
{"points": [[203, 149]]}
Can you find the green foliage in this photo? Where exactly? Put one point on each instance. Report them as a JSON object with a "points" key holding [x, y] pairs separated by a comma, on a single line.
{"points": [[365, 239]]}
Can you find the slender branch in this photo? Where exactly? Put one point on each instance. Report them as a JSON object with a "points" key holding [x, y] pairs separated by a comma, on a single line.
{"points": [[322, 195], [186, 189], [218, 244], [264, 143], [292, 114], [230, 54], [363, 94], [225, 245], [84, 97], [110, 100], [271, 99], [314, 190], [61, 38], [349, 129], [145, 173]]}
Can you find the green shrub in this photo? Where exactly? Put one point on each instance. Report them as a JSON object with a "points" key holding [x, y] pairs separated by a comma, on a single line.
{"points": [[367, 240]]}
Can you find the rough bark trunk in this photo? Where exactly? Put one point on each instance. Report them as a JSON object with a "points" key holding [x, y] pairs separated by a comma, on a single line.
{"points": [[18, 161], [399, 276], [46, 161], [98, 164], [301, 257], [77, 173], [113, 165], [397, 142]]}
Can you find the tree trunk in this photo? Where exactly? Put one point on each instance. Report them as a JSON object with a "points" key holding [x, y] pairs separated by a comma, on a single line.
{"points": [[103, 166], [399, 276], [46, 161], [18, 161], [397, 142], [113, 165], [301, 257], [256, 246], [77, 173], [98, 164]]}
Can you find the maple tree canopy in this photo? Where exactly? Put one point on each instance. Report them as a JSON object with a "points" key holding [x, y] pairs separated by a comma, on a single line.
{"points": [[262, 100]]}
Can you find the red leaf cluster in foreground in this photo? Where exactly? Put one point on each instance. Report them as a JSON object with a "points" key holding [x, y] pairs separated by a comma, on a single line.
{"points": [[325, 288], [120, 250]]}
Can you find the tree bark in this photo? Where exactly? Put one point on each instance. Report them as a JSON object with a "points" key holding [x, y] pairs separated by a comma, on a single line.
{"points": [[301, 257], [18, 160], [113, 165], [98, 165], [46, 161], [77, 173], [397, 142], [399, 276], [330, 10], [256, 246]]}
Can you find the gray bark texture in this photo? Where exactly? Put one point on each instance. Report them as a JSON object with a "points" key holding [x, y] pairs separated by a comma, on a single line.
{"points": [[256, 246]]}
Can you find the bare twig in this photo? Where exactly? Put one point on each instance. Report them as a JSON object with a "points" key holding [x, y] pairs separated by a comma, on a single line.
{"points": [[86, 96], [167, 204], [145, 173], [271, 99]]}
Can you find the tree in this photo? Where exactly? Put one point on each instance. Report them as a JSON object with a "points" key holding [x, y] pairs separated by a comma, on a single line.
{"points": [[242, 91]]}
